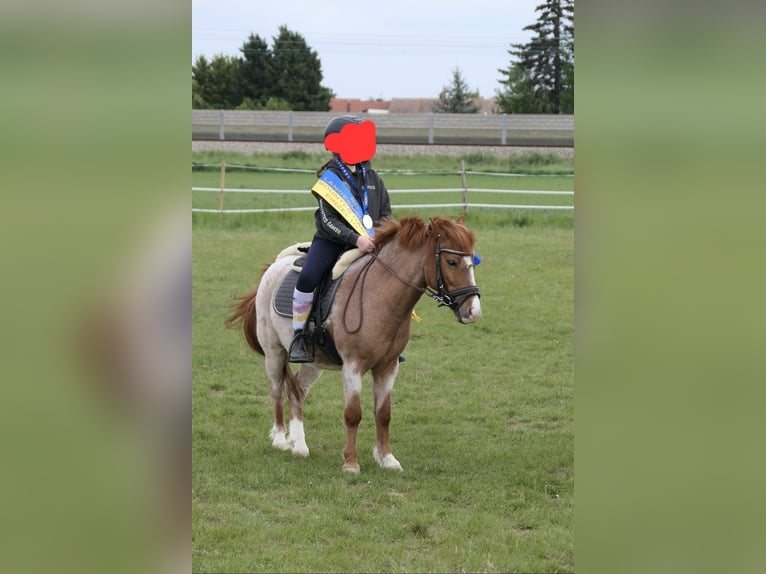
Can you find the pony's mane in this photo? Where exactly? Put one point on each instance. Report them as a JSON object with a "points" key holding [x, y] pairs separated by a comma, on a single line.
{"points": [[412, 232]]}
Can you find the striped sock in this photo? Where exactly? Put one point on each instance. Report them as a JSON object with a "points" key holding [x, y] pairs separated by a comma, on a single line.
{"points": [[301, 308]]}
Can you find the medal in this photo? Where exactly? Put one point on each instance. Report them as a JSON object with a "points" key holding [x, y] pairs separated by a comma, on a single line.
{"points": [[366, 219]]}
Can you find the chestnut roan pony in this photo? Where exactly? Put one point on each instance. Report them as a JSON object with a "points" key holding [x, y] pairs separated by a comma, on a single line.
{"points": [[369, 322]]}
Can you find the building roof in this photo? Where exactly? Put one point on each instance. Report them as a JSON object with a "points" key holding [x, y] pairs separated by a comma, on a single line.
{"points": [[355, 105], [411, 105], [396, 105]]}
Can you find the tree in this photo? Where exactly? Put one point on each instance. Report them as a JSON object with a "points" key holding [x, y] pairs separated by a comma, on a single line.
{"points": [[286, 77], [566, 99], [456, 98], [298, 73], [200, 70], [519, 96], [544, 66], [216, 82], [198, 102], [256, 71]]}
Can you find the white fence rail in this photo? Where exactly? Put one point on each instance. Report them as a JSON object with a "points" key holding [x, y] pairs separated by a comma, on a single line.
{"points": [[465, 204]]}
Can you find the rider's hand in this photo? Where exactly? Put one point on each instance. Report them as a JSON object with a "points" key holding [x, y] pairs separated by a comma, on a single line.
{"points": [[365, 244]]}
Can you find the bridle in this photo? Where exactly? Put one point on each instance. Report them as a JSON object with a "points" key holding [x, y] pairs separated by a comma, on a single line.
{"points": [[455, 298], [452, 299]]}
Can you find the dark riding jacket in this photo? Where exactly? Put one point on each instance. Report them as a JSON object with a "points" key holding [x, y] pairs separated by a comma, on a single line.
{"points": [[330, 224]]}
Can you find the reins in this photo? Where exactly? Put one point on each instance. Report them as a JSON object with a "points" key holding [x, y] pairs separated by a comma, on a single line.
{"points": [[363, 272], [373, 258]]}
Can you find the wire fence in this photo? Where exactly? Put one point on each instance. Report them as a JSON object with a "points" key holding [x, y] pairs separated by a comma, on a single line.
{"points": [[467, 192]]}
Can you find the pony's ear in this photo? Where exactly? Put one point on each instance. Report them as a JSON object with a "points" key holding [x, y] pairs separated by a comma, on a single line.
{"points": [[429, 227], [460, 220]]}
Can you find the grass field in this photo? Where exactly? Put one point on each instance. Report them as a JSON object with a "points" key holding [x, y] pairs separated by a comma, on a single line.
{"points": [[482, 422]]}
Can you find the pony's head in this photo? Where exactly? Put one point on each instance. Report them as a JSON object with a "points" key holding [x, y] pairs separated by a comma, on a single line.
{"points": [[449, 270], [453, 272]]}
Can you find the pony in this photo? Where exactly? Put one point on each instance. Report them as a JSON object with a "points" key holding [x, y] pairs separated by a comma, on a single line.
{"points": [[369, 322]]}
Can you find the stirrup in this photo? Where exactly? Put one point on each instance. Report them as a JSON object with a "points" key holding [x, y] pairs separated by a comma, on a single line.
{"points": [[298, 352]]}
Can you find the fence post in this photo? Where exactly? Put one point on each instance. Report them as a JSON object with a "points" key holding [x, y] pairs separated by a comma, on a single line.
{"points": [[431, 128], [503, 137], [465, 187], [290, 126], [220, 125], [222, 182]]}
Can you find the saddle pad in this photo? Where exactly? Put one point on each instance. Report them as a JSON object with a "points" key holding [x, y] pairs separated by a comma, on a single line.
{"points": [[283, 302], [346, 259]]}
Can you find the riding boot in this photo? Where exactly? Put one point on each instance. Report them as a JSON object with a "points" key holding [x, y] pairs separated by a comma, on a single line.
{"points": [[301, 349]]}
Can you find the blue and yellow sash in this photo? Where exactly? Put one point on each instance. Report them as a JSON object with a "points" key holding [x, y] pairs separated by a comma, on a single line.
{"points": [[337, 193]]}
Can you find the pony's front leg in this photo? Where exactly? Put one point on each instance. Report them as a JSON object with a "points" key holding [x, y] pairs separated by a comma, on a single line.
{"points": [[383, 383], [352, 389]]}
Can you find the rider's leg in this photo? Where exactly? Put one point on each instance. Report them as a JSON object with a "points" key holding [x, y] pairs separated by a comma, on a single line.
{"points": [[321, 257]]}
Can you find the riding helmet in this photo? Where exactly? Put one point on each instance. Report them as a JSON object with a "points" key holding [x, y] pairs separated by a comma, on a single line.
{"points": [[336, 124], [351, 138]]}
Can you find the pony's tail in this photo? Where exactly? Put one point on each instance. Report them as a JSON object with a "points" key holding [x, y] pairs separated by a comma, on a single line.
{"points": [[244, 312], [293, 386]]}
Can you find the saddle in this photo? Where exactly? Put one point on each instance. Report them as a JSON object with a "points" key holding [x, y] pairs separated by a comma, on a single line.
{"points": [[323, 297]]}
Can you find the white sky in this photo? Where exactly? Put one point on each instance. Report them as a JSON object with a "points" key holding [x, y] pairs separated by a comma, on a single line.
{"points": [[395, 49]]}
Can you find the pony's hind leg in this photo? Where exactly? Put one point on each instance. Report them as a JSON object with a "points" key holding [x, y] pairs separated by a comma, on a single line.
{"points": [[383, 383], [278, 432], [307, 375]]}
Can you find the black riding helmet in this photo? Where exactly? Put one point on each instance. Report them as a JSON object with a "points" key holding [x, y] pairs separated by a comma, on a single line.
{"points": [[336, 124], [351, 138]]}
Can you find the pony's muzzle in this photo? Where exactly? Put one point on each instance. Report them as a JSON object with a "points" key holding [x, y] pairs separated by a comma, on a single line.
{"points": [[469, 311]]}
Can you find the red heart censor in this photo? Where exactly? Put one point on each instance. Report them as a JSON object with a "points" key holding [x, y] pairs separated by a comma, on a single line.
{"points": [[355, 143]]}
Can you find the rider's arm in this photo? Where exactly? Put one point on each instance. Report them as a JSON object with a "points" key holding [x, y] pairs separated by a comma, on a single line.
{"points": [[332, 226]]}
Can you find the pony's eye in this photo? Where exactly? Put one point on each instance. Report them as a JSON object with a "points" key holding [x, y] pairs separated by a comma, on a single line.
{"points": [[452, 263]]}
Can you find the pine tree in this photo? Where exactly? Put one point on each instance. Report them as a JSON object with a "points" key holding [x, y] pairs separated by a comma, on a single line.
{"points": [[456, 98], [519, 97], [298, 73], [544, 66], [255, 71]]}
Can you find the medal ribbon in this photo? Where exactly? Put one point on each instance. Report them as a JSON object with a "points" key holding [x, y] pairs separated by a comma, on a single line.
{"points": [[350, 179], [337, 193]]}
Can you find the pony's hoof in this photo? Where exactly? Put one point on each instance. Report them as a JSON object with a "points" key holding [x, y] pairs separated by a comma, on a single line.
{"points": [[389, 461], [301, 451], [351, 467], [279, 440]]}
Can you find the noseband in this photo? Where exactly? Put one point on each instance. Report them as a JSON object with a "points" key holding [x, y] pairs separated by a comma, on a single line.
{"points": [[455, 298]]}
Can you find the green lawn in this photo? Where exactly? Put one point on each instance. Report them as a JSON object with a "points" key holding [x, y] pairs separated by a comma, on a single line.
{"points": [[482, 421]]}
